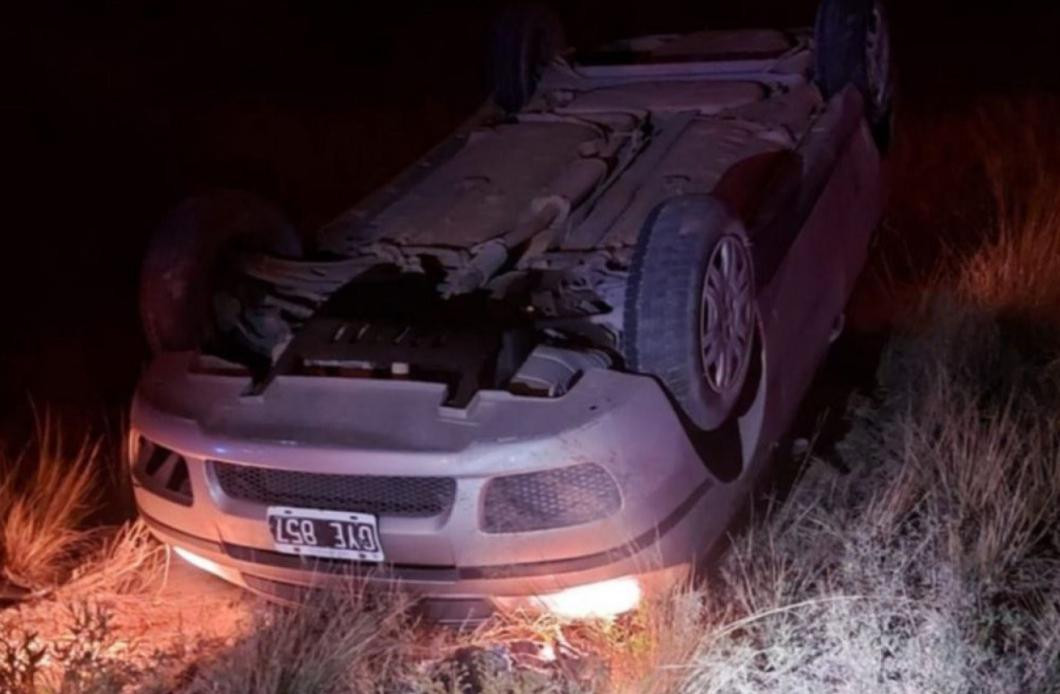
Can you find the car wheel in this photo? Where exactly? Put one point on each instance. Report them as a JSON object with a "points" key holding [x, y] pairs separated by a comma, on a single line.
{"points": [[690, 308], [522, 42], [853, 46], [184, 266]]}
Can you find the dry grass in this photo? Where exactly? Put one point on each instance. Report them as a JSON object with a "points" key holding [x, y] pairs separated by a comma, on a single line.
{"points": [[1015, 271], [79, 661], [125, 561], [933, 566], [69, 570], [972, 212], [48, 544], [336, 642], [48, 492]]}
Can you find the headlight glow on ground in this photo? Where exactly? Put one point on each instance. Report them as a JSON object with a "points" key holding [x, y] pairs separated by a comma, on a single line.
{"points": [[595, 600]]}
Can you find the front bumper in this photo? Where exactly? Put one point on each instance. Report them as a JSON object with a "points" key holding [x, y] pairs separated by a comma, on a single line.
{"points": [[671, 509]]}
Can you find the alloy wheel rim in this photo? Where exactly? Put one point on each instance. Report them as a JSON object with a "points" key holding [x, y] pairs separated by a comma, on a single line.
{"points": [[726, 316]]}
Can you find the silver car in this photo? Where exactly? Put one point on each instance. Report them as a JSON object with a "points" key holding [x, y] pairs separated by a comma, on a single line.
{"points": [[543, 367]]}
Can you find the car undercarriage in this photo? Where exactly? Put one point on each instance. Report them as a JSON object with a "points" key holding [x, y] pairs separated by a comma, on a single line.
{"points": [[517, 223]]}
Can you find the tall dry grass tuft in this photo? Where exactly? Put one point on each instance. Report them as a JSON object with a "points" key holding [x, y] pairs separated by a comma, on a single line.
{"points": [[1015, 270], [973, 209], [48, 493], [126, 560], [338, 640], [50, 537], [650, 653]]}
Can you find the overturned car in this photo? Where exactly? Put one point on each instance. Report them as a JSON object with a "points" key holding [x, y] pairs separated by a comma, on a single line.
{"points": [[543, 367]]}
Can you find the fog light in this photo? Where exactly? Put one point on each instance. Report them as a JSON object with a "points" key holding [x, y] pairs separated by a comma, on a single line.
{"points": [[207, 565], [595, 600]]}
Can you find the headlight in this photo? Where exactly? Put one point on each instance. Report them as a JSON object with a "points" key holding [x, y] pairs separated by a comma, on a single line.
{"points": [[549, 499]]}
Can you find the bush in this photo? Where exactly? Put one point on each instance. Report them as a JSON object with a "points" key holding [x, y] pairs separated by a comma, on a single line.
{"points": [[934, 564], [46, 495], [86, 660], [335, 641]]}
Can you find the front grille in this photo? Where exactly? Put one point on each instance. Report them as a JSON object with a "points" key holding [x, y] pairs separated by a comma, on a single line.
{"points": [[378, 494], [549, 499]]}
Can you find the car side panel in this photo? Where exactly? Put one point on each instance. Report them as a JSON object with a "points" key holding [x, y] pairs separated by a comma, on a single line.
{"points": [[802, 299]]}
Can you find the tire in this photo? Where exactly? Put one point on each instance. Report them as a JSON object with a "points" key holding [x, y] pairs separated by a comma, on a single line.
{"points": [[184, 265], [684, 305], [523, 41], [852, 46]]}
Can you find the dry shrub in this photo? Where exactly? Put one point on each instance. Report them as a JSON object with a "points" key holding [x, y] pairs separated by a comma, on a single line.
{"points": [[49, 495], [127, 560], [1015, 270], [337, 640], [46, 497], [659, 640], [73, 571], [973, 208], [934, 565], [88, 658]]}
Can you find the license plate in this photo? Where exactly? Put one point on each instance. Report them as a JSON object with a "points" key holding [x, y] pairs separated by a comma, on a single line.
{"points": [[311, 532]]}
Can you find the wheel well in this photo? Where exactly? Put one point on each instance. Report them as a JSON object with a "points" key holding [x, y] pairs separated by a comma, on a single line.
{"points": [[727, 450]]}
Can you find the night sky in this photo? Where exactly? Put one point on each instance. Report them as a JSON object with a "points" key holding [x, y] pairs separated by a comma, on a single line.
{"points": [[115, 111]]}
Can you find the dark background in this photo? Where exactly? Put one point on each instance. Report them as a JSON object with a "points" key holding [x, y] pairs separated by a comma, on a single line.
{"points": [[115, 111]]}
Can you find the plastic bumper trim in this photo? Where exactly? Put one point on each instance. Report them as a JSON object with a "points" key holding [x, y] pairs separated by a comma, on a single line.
{"points": [[445, 573]]}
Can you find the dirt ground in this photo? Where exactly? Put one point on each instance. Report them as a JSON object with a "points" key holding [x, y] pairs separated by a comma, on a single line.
{"points": [[187, 615]]}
